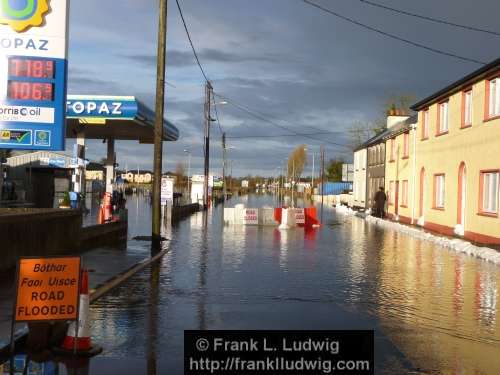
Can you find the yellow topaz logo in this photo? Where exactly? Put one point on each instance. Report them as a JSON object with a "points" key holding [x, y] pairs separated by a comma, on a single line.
{"points": [[20, 15]]}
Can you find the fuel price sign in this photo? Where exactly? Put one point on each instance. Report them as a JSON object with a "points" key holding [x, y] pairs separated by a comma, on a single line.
{"points": [[33, 74]]}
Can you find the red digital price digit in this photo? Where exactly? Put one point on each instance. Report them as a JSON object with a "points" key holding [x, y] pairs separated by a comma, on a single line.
{"points": [[31, 68], [36, 91]]}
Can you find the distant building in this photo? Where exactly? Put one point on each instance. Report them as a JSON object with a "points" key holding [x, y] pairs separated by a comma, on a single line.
{"points": [[369, 165], [138, 177], [359, 178], [347, 172], [400, 170]]}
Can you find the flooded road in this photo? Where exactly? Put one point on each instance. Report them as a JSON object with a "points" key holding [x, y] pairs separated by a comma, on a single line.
{"points": [[433, 310]]}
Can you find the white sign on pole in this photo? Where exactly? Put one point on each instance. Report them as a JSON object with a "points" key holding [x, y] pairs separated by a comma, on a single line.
{"points": [[167, 190]]}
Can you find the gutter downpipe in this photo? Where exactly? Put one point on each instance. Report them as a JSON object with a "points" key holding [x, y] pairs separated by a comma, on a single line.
{"points": [[414, 131]]}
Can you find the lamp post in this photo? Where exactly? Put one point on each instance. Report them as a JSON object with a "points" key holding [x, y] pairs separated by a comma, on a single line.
{"points": [[189, 173]]}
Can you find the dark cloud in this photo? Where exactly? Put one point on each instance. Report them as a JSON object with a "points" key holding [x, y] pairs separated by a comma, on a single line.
{"points": [[186, 58], [297, 66]]}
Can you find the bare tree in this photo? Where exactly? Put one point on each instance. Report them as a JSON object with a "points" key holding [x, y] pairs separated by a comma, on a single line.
{"points": [[360, 131], [297, 161], [180, 174]]}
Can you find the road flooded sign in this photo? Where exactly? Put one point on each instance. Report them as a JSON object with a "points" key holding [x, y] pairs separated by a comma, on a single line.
{"points": [[251, 216], [47, 289]]}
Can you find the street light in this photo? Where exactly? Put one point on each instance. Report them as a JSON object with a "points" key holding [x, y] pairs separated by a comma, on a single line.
{"points": [[189, 173]]}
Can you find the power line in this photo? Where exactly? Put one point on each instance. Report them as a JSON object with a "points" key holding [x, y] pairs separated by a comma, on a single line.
{"points": [[432, 19], [190, 41], [217, 115], [278, 135], [266, 115], [262, 118], [381, 32]]}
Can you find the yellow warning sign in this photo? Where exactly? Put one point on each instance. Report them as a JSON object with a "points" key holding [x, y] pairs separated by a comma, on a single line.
{"points": [[47, 289]]}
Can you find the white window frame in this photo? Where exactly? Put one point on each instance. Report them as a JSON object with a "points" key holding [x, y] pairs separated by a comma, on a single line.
{"points": [[439, 190], [443, 117], [494, 96], [490, 181], [468, 107]]}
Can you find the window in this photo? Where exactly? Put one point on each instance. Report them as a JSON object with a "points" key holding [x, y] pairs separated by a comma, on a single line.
{"points": [[439, 191], [467, 109], [393, 150], [425, 124], [404, 193], [391, 192], [493, 96], [489, 192], [406, 145], [443, 118]]}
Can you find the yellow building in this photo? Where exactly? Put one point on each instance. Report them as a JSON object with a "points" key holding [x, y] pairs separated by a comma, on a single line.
{"points": [[458, 157], [400, 170]]}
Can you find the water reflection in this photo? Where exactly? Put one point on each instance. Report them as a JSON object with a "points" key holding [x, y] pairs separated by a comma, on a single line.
{"points": [[438, 307], [447, 299]]}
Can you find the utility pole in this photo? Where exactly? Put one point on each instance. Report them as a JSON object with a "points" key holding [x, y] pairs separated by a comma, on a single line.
{"points": [[293, 180], [158, 129], [224, 167], [189, 175], [312, 177], [322, 151], [208, 119]]}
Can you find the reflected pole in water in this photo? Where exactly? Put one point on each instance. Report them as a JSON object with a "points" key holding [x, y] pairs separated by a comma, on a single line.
{"points": [[152, 338], [322, 150], [158, 129]]}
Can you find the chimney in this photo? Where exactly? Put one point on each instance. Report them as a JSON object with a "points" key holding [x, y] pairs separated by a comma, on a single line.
{"points": [[395, 116]]}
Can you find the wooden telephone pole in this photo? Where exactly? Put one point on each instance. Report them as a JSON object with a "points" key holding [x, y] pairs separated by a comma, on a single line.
{"points": [[158, 128], [208, 119]]}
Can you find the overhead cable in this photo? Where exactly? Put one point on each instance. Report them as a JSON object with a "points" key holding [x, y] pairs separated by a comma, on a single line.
{"points": [[191, 42], [265, 119], [389, 35], [432, 19]]}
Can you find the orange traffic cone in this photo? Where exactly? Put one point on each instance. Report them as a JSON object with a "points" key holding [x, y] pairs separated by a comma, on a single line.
{"points": [[100, 215], [82, 337], [77, 341]]}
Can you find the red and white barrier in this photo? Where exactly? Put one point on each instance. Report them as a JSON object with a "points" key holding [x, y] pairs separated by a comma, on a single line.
{"points": [[268, 216]]}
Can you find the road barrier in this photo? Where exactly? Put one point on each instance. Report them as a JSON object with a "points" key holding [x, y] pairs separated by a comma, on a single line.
{"points": [[268, 216]]}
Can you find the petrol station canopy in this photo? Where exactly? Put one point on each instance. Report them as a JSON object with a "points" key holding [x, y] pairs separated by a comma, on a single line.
{"points": [[113, 117]]}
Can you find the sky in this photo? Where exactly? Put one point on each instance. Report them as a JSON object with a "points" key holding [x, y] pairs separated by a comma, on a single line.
{"points": [[299, 67]]}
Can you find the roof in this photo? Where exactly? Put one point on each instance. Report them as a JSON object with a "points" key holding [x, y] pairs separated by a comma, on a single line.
{"points": [[117, 117], [48, 159], [458, 85], [402, 127], [374, 140]]}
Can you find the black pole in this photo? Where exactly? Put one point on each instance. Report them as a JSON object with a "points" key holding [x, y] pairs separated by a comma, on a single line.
{"points": [[208, 119], [224, 191], [158, 129]]}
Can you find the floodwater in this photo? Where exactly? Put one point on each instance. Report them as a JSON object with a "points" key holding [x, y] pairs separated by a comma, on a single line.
{"points": [[433, 310]]}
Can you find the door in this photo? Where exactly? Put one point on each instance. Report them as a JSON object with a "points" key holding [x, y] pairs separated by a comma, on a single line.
{"points": [[462, 194]]}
